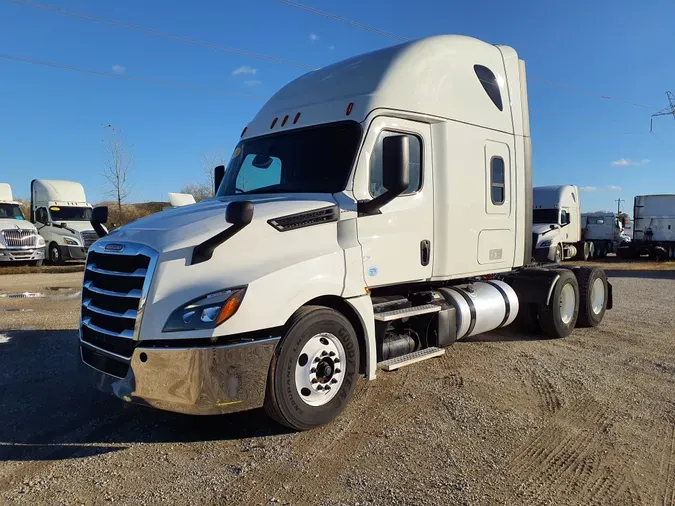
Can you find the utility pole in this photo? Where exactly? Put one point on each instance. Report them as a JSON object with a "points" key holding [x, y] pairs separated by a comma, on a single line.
{"points": [[618, 205], [668, 111]]}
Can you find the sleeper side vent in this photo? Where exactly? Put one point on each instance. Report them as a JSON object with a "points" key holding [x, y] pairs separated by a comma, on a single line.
{"points": [[305, 219]]}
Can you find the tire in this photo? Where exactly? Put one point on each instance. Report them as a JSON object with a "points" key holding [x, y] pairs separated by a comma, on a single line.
{"points": [[558, 256], [55, 257], [586, 251], [558, 318], [591, 281], [591, 250], [603, 251], [311, 331]]}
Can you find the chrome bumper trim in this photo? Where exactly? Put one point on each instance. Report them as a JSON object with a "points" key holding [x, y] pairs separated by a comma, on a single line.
{"points": [[201, 381]]}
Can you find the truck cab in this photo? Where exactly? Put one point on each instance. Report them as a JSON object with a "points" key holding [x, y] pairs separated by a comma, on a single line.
{"points": [[605, 231], [556, 222], [61, 213], [19, 240], [373, 212]]}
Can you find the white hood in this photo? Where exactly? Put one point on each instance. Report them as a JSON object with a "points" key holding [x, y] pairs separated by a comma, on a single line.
{"points": [[188, 226], [7, 223], [540, 228], [79, 226]]}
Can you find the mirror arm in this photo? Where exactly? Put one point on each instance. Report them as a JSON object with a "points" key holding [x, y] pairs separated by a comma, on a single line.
{"points": [[373, 206]]}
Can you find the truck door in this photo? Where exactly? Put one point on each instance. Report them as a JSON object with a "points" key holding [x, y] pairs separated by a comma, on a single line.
{"points": [[397, 244]]}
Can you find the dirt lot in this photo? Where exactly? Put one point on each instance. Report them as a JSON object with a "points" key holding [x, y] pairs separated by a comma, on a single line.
{"points": [[500, 419]]}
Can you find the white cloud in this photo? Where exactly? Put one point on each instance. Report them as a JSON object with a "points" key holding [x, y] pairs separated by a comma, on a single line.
{"points": [[119, 69], [313, 37], [625, 162], [245, 69], [253, 82], [588, 188], [613, 187], [331, 47]]}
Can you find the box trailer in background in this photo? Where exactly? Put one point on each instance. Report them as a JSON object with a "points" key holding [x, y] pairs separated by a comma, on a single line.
{"points": [[653, 228], [19, 239], [605, 231], [61, 213]]}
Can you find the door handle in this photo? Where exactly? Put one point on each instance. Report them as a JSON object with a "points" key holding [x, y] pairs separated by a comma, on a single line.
{"points": [[425, 252]]}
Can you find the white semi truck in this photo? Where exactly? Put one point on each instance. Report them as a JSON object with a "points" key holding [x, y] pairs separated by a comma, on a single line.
{"points": [[373, 212], [61, 213], [605, 231], [557, 224], [19, 239], [653, 228]]}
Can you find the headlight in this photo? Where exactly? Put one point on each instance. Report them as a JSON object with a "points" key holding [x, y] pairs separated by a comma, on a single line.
{"points": [[544, 244], [207, 312], [70, 242], [40, 242]]}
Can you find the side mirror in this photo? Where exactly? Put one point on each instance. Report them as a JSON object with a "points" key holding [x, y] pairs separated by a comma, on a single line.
{"points": [[218, 175], [395, 172], [239, 213], [98, 217]]}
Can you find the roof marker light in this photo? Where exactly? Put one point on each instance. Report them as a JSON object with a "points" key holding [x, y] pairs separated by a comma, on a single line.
{"points": [[273, 123], [283, 123], [349, 108], [297, 117]]}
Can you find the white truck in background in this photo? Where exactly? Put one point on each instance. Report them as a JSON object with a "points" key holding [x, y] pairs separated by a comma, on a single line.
{"points": [[19, 239], [374, 212], [557, 224], [653, 228], [61, 213], [604, 230]]}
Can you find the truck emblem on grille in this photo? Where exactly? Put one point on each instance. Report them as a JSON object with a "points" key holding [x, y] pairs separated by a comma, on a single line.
{"points": [[114, 247]]}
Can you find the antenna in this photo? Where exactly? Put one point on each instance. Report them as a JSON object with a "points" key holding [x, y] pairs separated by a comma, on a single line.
{"points": [[668, 111]]}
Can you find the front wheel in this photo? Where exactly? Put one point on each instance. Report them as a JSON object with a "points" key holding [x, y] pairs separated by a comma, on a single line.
{"points": [[558, 254], [314, 369], [55, 257]]}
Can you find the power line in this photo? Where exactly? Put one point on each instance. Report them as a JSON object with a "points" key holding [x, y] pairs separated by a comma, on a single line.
{"points": [[130, 78], [158, 33], [344, 20], [405, 39], [669, 148]]}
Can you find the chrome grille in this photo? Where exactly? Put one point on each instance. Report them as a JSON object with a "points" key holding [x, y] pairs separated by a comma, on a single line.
{"points": [[17, 238], [113, 292], [89, 237]]}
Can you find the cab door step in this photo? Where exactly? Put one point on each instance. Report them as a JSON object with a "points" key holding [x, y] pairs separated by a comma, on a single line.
{"points": [[417, 356], [406, 312]]}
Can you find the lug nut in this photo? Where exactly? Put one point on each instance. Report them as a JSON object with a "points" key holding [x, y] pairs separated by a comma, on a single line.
{"points": [[337, 371], [332, 353], [333, 381], [316, 359], [323, 353], [314, 380], [312, 370], [327, 387], [320, 387], [336, 361]]}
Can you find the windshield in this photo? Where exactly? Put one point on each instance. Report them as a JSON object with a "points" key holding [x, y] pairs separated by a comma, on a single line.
{"points": [[595, 221], [313, 160], [70, 213], [11, 211], [545, 216]]}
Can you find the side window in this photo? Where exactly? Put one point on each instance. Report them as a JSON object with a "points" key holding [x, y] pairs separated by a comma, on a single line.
{"points": [[497, 182], [489, 82], [415, 165], [564, 217], [265, 172]]}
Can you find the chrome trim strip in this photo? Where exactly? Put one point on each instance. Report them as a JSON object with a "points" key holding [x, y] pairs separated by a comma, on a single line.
{"points": [[133, 294], [215, 346], [127, 334], [138, 273], [550, 290], [104, 352], [130, 313]]}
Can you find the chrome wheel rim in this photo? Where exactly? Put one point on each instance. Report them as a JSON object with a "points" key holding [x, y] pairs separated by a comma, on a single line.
{"points": [[319, 369], [597, 295], [567, 303]]}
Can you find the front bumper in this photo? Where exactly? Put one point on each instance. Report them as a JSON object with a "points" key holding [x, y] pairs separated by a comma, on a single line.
{"points": [[206, 380], [73, 252], [22, 255]]}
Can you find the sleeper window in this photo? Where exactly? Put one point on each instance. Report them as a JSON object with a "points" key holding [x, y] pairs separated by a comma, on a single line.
{"points": [[415, 165], [497, 186]]}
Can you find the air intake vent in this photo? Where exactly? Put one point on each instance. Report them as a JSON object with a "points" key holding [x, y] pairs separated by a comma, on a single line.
{"points": [[306, 219]]}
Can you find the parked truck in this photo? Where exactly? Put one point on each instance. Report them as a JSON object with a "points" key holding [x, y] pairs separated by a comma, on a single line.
{"points": [[605, 232], [373, 212], [556, 229], [61, 213], [653, 228], [19, 240]]}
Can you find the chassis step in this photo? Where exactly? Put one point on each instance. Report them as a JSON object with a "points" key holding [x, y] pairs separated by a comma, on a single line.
{"points": [[407, 312], [417, 356]]}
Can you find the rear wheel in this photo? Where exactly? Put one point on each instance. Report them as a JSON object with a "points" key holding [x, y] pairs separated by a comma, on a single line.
{"points": [[593, 294], [314, 369], [559, 316]]}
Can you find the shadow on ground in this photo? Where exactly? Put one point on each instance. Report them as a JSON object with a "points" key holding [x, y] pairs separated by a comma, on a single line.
{"points": [[640, 273], [49, 411]]}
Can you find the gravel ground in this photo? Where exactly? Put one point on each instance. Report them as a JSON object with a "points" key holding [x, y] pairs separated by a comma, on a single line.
{"points": [[500, 419]]}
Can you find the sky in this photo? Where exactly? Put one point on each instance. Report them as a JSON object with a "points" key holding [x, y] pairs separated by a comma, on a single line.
{"points": [[52, 120]]}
